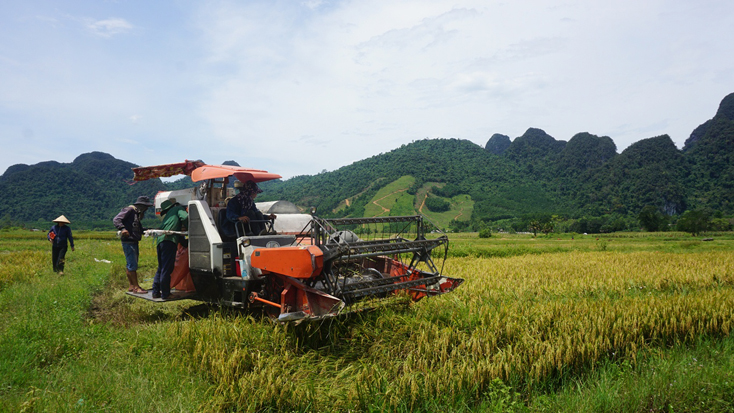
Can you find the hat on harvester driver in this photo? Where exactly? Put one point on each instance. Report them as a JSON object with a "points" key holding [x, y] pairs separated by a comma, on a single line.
{"points": [[143, 200], [63, 219], [167, 204], [252, 187], [238, 184]]}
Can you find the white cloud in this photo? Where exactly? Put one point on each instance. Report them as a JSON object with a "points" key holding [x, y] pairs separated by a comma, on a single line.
{"points": [[128, 141], [313, 4], [109, 27]]}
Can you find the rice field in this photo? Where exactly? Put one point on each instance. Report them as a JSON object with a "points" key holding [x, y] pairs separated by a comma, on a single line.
{"points": [[550, 324]]}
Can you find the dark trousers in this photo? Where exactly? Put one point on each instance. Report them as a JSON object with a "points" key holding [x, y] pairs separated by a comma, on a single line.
{"points": [[240, 228], [255, 228], [166, 261], [58, 256]]}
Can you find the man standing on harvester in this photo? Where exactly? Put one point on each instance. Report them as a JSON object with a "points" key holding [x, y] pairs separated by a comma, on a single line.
{"points": [[175, 218]]}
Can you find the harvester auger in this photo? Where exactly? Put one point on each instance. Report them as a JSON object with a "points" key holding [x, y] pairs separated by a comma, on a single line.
{"points": [[308, 267], [362, 258]]}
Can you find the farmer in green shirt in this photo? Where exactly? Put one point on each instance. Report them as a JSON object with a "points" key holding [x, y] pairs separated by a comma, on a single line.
{"points": [[175, 218]]}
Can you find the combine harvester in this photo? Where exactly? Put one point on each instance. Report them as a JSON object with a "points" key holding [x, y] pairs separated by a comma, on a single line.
{"points": [[306, 267]]}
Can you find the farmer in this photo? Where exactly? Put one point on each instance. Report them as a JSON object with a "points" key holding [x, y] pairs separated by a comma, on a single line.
{"points": [[175, 218], [131, 231], [242, 208], [58, 236]]}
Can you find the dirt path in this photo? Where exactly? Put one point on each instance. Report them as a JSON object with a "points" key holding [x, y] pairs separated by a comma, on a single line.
{"points": [[424, 191], [423, 203], [386, 210], [461, 212], [349, 203]]}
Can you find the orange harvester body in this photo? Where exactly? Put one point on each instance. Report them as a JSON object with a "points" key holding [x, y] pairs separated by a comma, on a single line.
{"points": [[297, 262]]}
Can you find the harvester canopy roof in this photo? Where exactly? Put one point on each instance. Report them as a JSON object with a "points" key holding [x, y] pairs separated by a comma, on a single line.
{"points": [[199, 171], [242, 174]]}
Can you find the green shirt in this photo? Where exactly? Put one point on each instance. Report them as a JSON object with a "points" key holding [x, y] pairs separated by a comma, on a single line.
{"points": [[174, 220]]}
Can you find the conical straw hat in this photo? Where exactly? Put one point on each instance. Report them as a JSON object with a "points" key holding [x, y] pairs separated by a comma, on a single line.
{"points": [[62, 219]]}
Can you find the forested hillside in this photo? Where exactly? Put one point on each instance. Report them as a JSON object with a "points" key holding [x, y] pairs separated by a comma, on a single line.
{"points": [[583, 182], [93, 187], [710, 155]]}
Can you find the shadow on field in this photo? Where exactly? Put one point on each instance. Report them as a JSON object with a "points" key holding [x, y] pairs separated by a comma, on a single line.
{"points": [[198, 311]]}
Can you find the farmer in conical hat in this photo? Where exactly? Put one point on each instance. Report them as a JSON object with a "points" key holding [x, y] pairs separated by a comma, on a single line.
{"points": [[58, 236]]}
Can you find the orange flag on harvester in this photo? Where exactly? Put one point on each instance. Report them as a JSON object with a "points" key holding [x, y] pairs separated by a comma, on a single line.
{"points": [[181, 277]]}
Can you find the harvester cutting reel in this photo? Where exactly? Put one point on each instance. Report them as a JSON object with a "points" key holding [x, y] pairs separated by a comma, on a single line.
{"points": [[350, 264]]}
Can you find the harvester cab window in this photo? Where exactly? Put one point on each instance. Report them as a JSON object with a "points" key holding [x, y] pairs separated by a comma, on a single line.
{"points": [[218, 205], [218, 193]]}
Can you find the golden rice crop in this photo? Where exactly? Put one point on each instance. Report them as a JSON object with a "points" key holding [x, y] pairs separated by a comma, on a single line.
{"points": [[22, 265], [526, 320]]}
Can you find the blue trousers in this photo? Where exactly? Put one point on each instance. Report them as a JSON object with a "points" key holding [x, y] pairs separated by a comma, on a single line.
{"points": [[166, 261]]}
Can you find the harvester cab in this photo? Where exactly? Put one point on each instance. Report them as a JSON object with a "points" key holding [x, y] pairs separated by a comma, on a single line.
{"points": [[306, 267]]}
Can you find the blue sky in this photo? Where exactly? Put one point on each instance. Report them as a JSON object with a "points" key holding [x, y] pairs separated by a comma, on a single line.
{"points": [[296, 87]]}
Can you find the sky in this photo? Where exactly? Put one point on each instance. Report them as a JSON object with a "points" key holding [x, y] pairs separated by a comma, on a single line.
{"points": [[298, 87]]}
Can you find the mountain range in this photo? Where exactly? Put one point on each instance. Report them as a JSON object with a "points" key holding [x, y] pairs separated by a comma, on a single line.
{"points": [[453, 181]]}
